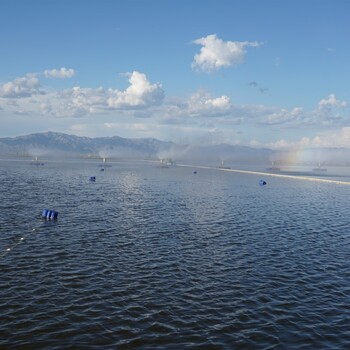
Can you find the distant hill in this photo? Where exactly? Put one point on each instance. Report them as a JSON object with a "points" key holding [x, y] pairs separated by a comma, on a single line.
{"points": [[53, 143], [59, 144]]}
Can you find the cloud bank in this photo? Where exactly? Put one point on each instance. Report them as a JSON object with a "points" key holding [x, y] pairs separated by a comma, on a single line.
{"points": [[142, 107], [145, 99]]}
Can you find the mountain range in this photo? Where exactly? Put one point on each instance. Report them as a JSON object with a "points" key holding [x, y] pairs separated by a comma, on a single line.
{"points": [[59, 144], [54, 144]]}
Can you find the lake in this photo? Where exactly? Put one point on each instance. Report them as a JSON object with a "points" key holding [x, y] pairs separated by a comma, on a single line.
{"points": [[151, 258]]}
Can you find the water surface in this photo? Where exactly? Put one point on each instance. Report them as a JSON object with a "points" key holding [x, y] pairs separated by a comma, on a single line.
{"points": [[150, 258]]}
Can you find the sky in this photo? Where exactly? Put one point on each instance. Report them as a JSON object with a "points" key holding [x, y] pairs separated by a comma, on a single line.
{"points": [[259, 73]]}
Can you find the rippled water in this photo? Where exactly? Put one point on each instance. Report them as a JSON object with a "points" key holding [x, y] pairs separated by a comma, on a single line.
{"points": [[150, 258]]}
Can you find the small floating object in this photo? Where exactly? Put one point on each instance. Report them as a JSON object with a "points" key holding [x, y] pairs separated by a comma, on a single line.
{"points": [[49, 214], [194, 172], [36, 162], [104, 164], [92, 178], [262, 183], [319, 168], [273, 168], [102, 169]]}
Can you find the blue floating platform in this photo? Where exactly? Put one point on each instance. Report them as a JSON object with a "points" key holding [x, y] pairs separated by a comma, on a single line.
{"points": [[49, 214]]}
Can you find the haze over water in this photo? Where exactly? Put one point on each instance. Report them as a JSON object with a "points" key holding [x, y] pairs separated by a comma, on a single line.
{"points": [[151, 258]]}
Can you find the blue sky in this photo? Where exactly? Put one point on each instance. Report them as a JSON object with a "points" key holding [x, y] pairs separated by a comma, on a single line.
{"points": [[258, 73]]}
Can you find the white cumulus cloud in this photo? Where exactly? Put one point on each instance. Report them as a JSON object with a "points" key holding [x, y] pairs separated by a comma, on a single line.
{"points": [[79, 101], [339, 138], [285, 145], [284, 116], [332, 139], [140, 93], [331, 101], [202, 104], [216, 53], [21, 87], [61, 73]]}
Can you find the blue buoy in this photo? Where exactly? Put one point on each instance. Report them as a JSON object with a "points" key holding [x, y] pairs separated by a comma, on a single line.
{"points": [[262, 183], [49, 214], [102, 169], [194, 172], [92, 178]]}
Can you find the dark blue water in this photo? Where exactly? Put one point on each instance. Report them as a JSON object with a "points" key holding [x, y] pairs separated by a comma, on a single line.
{"points": [[149, 258]]}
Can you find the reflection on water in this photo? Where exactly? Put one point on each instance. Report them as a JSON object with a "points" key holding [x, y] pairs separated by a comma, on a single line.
{"points": [[151, 258]]}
